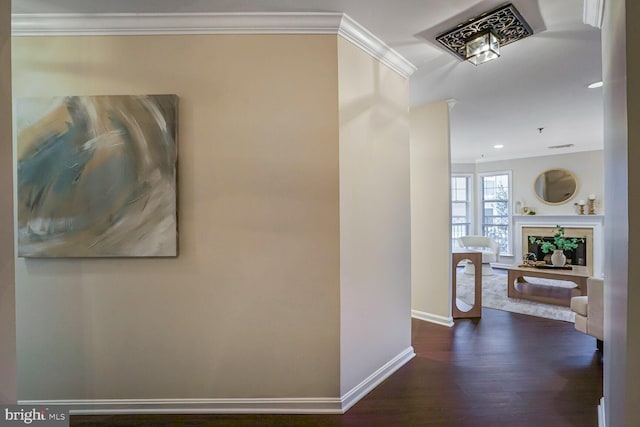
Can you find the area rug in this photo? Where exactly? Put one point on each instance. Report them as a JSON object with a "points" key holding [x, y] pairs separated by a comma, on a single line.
{"points": [[494, 295]]}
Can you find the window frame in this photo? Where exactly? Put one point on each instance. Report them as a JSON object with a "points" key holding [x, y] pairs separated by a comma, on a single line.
{"points": [[509, 216], [470, 203]]}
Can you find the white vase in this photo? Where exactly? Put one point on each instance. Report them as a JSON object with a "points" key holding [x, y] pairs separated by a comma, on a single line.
{"points": [[558, 259]]}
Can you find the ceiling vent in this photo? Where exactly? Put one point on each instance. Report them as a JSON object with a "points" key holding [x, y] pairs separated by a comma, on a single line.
{"points": [[555, 147]]}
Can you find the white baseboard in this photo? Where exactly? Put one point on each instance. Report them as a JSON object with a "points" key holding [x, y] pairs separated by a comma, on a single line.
{"points": [[433, 318], [320, 405], [358, 392], [602, 421]]}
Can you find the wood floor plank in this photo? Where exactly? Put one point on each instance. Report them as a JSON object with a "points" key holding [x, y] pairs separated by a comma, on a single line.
{"points": [[503, 369]]}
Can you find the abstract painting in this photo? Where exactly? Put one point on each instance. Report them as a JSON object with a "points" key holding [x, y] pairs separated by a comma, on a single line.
{"points": [[96, 176]]}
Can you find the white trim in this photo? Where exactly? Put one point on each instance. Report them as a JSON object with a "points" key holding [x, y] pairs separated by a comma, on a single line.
{"points": [[471, 197], [367, 41], [593, 12], [595, 222], [433, 318], [529, 154], [320, 405], [196, 406], [110, 24], [103, 24], [602, 421], [451, 102], [354, 395], [479, 205]]}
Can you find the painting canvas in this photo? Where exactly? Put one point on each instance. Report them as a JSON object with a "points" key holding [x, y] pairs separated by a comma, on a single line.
{"points": [[96, 176]]}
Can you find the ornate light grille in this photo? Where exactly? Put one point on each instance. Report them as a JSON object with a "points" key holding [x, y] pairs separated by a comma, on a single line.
{"points": [[506, 23]]}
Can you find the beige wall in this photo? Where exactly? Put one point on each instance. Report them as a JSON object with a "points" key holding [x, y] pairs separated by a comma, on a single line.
{"points": [[431, 213], [463, 168], [250, 308], [374, 215], [621, 68], [587, 166], [7, 288]]}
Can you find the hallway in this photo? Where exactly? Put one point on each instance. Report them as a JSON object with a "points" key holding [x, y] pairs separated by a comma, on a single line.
{"points": [[504, 369]]}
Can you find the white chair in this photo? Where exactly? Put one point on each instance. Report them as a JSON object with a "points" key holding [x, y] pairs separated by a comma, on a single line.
{"points": [[590, 310], [490, 252]]}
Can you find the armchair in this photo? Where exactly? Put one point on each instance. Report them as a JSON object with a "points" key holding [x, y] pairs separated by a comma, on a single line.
{"points": [[590, 310], [489, 248]]}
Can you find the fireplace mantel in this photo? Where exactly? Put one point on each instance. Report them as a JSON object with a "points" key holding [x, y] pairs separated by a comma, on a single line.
{"points": [[596, 222], [559, 219]]}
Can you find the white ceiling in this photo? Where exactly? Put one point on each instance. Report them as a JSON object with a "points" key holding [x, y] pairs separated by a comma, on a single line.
{"points": [[538, 82]]}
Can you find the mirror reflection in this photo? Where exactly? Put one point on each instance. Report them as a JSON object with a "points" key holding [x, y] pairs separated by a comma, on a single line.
{"points": [[555, 186], [465, 289]]}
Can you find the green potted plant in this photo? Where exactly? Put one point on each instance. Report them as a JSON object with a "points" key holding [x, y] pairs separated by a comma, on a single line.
{"points": [[559, 244]]}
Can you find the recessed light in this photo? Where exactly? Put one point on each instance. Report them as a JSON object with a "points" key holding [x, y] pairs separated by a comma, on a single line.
{"points": [[498, 146], [595, 85]]}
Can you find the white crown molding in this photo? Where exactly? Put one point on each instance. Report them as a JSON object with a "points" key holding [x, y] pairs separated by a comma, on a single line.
{"points": [[432, 318], [109, 24], [364, 39], [53, 24], [451, 102], [526, 155], [593, 12]]}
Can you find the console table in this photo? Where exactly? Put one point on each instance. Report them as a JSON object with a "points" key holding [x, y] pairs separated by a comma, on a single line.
{"points": [[519, 287], [476, 258]]}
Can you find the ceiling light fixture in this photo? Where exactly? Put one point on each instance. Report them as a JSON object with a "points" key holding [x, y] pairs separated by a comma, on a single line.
{"points": [[498, 146], [482, 47], [595, 85], [478, 40]]}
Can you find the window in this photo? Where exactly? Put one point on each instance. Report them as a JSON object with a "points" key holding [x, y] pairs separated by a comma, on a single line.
{"points": [[496, 219], [460, 207]]}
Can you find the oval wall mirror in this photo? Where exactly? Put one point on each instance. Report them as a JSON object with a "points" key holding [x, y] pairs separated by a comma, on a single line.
{"points": [[555, 186]]}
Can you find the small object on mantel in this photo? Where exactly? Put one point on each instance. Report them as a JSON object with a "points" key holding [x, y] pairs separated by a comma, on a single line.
{"points": [[592, 204]]}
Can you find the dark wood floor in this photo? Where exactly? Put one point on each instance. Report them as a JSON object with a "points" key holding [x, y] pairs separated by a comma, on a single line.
{"points": [[505, 369]]}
